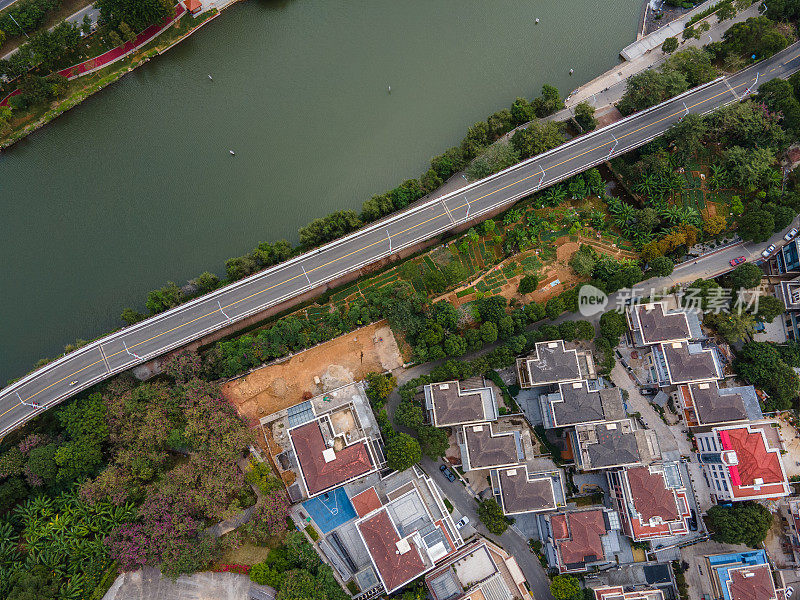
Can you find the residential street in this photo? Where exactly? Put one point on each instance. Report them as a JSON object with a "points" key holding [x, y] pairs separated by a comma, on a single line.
{"points": [[511, 541]]}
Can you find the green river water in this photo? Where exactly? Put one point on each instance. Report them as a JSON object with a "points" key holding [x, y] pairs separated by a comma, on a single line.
{"points": [[136, 186]]}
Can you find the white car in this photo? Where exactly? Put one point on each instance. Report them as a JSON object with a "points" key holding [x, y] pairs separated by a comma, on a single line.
{"points": [[768, 251], [789, 236], [462, 523]]}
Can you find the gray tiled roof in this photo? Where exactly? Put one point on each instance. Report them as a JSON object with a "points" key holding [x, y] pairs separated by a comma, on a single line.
{"points": [[487, 450], [656, 326], [454, 405], [713, 405], [523, 494], [686, 365], [552, 363]]}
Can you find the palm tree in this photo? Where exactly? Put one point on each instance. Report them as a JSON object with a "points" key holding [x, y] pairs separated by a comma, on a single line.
{"points": [[773, 179], [689, 214], [646, 185], [718, 178], [671, 214]]}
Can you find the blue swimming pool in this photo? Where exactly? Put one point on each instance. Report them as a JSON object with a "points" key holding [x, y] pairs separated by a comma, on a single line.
{"points": [[331, 509]]}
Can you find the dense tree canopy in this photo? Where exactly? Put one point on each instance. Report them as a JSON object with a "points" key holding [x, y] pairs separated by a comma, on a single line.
{"points": [[743, 523], [138, 14]]}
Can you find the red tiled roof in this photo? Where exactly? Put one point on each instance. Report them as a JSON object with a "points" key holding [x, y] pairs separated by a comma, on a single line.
{"points": [[754, 462], [651, 497], [366, 502], [319, 475], [192, 5], [381, 538], [751, 583], [586, 529]]}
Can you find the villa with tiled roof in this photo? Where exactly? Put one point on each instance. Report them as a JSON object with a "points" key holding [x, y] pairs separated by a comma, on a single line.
{"points": [[743, 462], [652, 501]]}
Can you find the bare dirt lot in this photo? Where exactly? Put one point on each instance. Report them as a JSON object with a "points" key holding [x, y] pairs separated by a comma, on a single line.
{"points": [[327, 366]]}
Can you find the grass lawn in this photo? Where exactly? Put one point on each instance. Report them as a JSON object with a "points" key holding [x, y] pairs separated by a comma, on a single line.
{"points": [[247, 554]]}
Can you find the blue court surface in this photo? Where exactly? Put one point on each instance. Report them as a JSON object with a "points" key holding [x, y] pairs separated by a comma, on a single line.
{"points": [[331, 509]]}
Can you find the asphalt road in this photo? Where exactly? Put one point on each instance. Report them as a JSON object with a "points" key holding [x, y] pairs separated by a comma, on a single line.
{"points": [[172, 329], [5, 3]]}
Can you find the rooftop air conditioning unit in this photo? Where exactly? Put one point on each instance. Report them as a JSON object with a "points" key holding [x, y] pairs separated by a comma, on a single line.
{"points": [[444, 386]]}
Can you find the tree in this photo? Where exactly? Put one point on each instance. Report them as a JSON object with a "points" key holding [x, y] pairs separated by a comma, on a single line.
{"points": [[687, 134], [649, 88], [549, 102], [528, 284], [207, 282], [747, 168], [714, 225], [342, 222], [433, 441], [130, 316], [500, 123], [745, 276], [565, 587], [409, 414], [769, 307], [554, 307], [36, 583], [491, 515], [732, 326], [585, 330], [402, 451], [475, 141], [693, 63], [613, 326], [761, 364], [521, 112], [584, 115], [743, 523], [661, 266], [379, 387], [164, 298], [583, 261], [537, 138], [496, 158], [138, 14], [488, 332], [670, 45], [756, 225]]}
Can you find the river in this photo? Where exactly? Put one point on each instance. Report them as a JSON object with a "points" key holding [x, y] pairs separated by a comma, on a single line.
{"points": [[136, 186]]}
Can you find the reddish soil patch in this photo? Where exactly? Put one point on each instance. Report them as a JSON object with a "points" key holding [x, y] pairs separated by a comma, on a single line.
{"points": [[327, 366]]}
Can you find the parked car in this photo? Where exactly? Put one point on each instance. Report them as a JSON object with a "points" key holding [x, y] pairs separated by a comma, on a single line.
{"points": [[789, 236], [693, 520], [768, 251], [737, 261], [447, 472], [462, 523]]}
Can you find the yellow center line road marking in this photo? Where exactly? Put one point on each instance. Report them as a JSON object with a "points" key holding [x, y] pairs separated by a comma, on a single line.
{"points": [[420, 224]]}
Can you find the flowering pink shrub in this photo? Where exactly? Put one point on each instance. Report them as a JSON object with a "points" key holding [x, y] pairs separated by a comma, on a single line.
{"points": [[241, 569], [33, 440]]}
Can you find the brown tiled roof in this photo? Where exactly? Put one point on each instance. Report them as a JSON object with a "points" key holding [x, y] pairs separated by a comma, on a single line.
{"points": [[651, 497], [520, 494], [486, 450], [658, 327], [381, 539], [366, 502], [584, 543], [752, 583], [319, 475]]}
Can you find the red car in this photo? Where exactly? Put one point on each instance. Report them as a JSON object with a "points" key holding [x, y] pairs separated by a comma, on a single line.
{"points": [[737, 261]]}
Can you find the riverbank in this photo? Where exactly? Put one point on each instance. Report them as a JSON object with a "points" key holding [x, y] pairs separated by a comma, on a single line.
{"points": [[81, 87]]}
